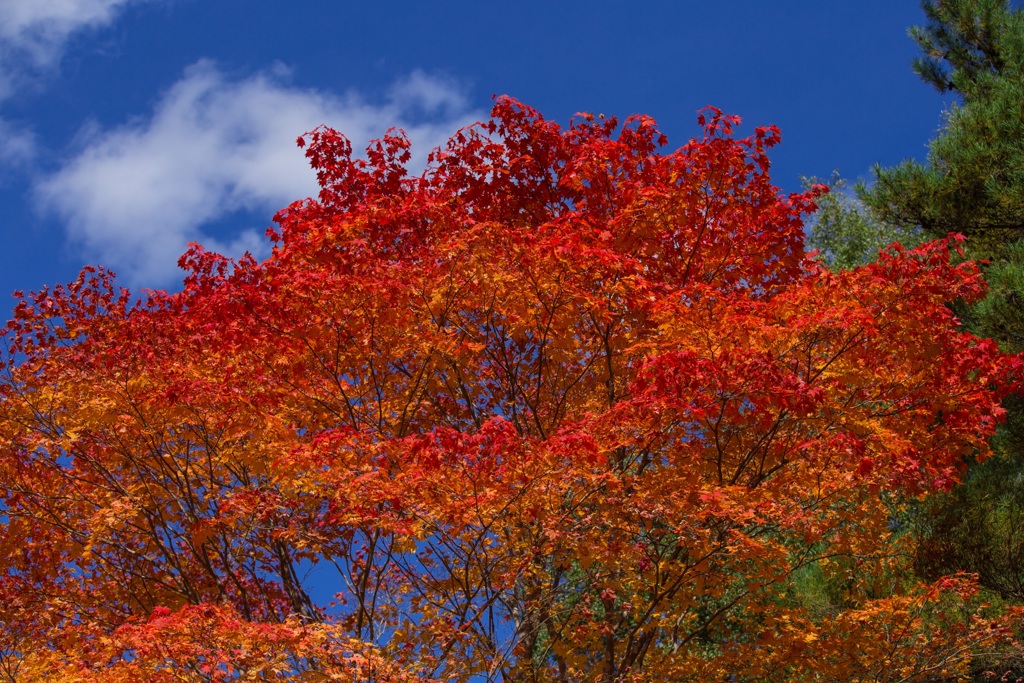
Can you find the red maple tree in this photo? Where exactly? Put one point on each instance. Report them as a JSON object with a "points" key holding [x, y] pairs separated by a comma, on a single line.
{"points": [[561, 407]]}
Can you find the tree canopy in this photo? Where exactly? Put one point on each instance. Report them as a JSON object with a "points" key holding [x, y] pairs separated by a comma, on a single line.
{"points": [[561, 407]]}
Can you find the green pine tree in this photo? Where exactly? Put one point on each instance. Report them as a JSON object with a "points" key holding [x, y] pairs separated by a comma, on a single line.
{"points": [[973, 179], [972, 182]]}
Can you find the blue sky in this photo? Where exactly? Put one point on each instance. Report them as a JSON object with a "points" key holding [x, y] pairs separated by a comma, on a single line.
{"points": [[129, 127]]}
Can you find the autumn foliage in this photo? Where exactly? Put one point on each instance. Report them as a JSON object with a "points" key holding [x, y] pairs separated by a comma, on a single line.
{"points": [[566, 406]]}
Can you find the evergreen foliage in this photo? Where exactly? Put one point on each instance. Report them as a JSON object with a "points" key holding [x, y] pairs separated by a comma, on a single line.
{"points": [[972, 182], [973, 179], [845, 234]]}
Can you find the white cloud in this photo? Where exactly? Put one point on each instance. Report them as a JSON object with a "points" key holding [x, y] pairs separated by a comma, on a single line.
{"points": [[32, 37], [17, 146], [38, 29], [135, 195]]}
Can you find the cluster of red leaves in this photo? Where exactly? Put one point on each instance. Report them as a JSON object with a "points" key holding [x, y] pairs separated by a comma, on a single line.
{"points": [[562, 407]]}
